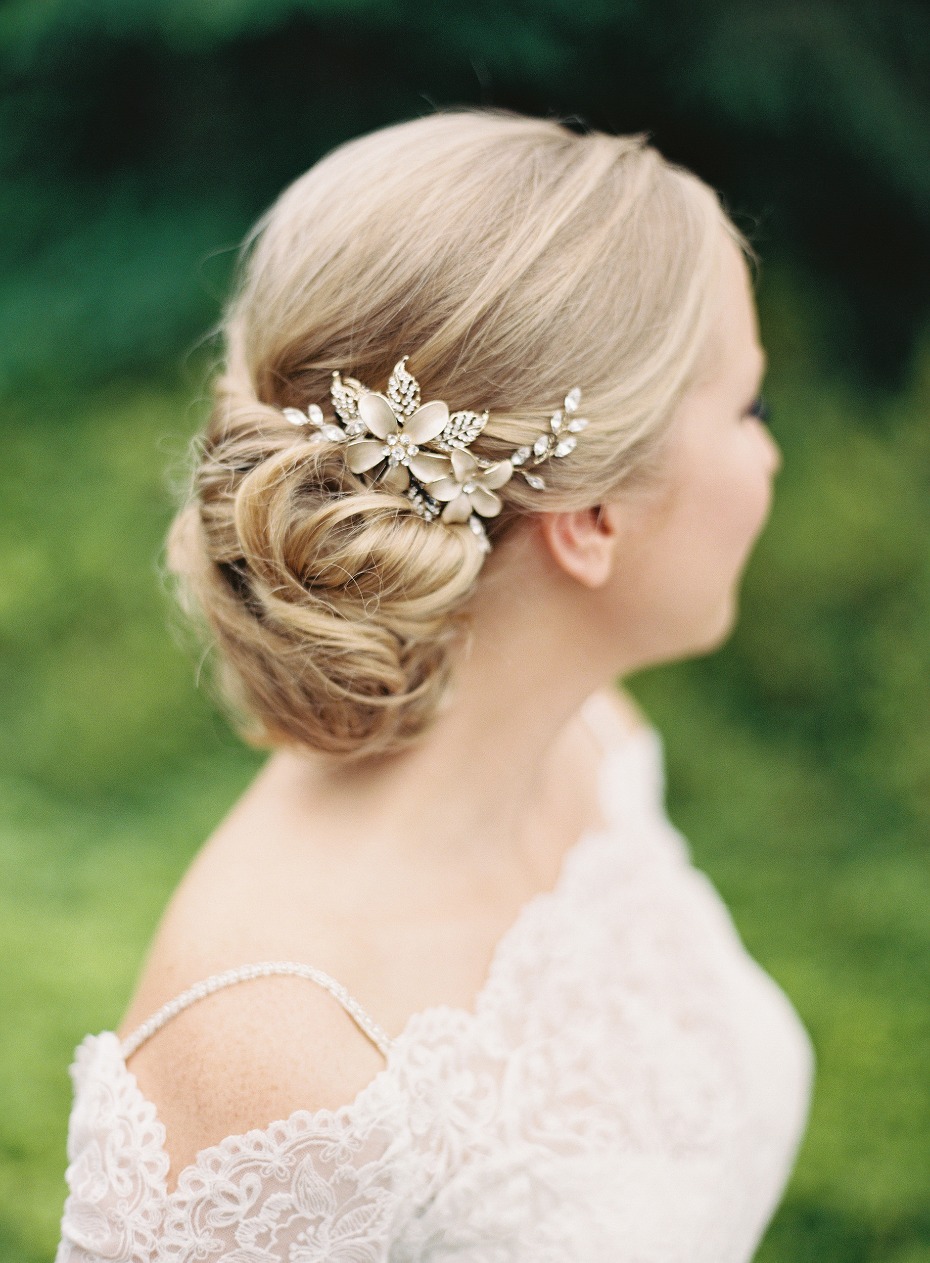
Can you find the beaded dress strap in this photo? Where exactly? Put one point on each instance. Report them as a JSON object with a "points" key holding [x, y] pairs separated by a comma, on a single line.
{"points": [[367, 1025]]}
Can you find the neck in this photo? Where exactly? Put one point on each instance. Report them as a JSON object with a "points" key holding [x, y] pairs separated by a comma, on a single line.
{"points": [[489, 777]]}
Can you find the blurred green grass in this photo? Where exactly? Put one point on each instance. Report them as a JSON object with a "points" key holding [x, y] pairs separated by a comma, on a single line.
{"points": [[798, 768]]}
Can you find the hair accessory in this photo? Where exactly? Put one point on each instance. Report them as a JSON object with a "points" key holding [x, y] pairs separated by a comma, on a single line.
{"points": [[387, 434]]}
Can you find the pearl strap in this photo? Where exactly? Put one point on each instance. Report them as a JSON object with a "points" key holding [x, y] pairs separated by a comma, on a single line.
{"points": [[263, 969]]}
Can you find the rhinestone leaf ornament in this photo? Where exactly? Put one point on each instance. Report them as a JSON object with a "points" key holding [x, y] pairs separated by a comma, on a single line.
{"points": [[386, 436]]}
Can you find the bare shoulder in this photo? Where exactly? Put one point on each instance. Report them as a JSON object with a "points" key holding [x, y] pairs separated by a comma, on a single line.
{"points": [[244, 1056]]}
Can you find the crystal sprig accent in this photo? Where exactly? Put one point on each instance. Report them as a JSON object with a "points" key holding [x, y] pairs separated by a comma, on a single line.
{"points": [[559, 440], [320, 428]]}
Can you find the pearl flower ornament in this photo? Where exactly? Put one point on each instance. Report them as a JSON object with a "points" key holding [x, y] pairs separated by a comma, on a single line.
{"points": [[385, 435], [400, 448], [466, 488]]}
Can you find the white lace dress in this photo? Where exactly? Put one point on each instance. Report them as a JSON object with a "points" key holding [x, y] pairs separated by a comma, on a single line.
{"points": [[631, 1087]]}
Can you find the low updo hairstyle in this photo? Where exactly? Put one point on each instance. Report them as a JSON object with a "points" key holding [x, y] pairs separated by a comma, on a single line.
{"points": [[511, 258]]}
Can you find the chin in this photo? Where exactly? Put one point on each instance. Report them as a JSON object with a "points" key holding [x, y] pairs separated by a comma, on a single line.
{"points": [[718, 631]]}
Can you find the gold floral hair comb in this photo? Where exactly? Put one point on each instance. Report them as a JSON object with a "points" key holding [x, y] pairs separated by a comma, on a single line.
{"points": [[421, 449]]}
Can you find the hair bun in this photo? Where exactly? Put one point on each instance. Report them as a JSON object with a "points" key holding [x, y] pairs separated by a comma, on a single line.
{"points": [[334, 605]]}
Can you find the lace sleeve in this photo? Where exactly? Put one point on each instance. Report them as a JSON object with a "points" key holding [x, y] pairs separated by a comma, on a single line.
{"points": [[117, 1165], [318, 1185]]}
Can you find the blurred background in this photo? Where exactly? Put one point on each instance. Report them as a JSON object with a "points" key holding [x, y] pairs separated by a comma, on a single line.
{"points": [[138, 140]]}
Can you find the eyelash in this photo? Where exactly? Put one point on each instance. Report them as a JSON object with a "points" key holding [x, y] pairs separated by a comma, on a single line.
{"points": [[760, 408]]}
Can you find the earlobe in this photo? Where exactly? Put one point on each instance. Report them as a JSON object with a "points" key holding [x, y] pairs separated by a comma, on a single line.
{"points": [[581, 542]]}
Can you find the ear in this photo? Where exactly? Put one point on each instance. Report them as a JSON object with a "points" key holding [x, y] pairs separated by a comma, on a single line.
{"points": [[582, 542]]}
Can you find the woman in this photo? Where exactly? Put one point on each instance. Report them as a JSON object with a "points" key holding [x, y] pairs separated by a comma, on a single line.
{"points": [[486, 438]]}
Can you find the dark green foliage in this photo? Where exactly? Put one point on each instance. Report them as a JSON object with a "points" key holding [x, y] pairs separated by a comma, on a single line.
{"points": [[138, 140]]}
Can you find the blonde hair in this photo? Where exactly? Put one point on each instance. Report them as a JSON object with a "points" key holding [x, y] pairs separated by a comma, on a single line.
{"points": [[512, 258]]}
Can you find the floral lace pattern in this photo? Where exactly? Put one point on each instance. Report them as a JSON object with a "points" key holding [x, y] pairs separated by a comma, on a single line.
{"points": [[631, 1083]]}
